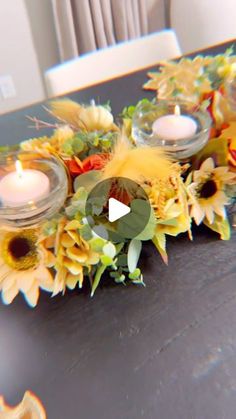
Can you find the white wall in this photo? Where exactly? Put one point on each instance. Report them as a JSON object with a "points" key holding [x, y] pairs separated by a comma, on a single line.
{"points": [[27, 48], [43, 31], [17, 56], [200, 23]]}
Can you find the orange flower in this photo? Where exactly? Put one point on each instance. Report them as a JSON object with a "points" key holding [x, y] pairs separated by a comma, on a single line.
{"points": [[93, 162]]}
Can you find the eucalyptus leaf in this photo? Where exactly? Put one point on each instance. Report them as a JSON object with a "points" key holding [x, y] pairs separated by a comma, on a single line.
{"points": [[109, 250], [87, 180], [149, 230], [106, 260], [134, 251]]}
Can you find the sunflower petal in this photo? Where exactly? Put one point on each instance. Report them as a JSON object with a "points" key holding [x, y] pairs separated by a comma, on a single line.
{"points": [[71, 281], [25, 280], [32, 295], [45, 279], [9, 294]]}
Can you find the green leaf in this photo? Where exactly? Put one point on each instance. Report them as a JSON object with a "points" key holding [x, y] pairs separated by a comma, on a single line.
{"points": [[109, 250], [87, 180], [50, 227], [134, 251], [86, 232], [130, 225], [97, 244], [220, 226], [217, 148], [77, 203], [135, 275], [77, 145], [122, 260], [159, 240], [101, 269], [149, 230], [106, 260]]}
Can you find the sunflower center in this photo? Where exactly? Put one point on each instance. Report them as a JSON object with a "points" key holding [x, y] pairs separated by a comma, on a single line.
{"points": [[208, 189], [19, 247], [20, 250]]}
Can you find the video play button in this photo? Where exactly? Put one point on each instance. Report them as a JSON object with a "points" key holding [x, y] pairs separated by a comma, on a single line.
{"points": [[117, 209]]}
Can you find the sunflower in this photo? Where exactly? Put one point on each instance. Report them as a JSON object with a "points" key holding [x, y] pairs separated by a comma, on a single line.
{"points": [[73, 254], [29, 408], [23, 266], [207, 191]]}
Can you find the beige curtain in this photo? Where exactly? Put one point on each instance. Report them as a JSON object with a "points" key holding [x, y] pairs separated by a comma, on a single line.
{"points": [[86, 25]]}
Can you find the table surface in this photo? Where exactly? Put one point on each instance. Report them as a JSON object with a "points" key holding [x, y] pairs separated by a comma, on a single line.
{"points": [[166, 351]]}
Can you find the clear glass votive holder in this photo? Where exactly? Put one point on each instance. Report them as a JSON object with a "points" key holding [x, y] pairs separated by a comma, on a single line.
{"points": [[230, 92], [23, 174], [147, 114]]}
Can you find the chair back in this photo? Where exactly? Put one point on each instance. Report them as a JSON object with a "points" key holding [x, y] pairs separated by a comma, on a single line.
{"points": [[111, 62]]}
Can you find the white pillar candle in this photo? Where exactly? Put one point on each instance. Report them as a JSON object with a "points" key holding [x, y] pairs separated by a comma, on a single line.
{"points": [[23, 186], [174, 127]]}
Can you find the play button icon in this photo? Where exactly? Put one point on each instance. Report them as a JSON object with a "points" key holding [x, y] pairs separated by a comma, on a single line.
{"points": [[117, 209]]}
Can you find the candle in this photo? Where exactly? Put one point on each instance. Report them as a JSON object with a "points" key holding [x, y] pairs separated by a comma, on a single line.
{"points": [[23, 186], [174, 127]]}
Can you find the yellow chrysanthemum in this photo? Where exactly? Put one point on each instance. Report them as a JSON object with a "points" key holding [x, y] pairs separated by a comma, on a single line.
{"points": [[207, 192], [47, 146], [23, 266], [169, 201], [73, 253]]}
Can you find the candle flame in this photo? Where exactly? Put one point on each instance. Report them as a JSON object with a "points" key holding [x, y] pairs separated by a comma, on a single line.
{"points": [[177, 110], [19, 169]]}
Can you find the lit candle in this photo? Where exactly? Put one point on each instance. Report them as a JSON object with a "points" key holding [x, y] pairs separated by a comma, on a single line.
{"points": [[23, 186], [174, 127]]}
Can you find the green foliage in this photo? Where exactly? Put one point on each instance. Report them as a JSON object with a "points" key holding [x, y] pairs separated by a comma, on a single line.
{"points": [[134, 251], [220, 226], [217, 148], [77, 203], [87, 180], [128, 111], [50, 227]]}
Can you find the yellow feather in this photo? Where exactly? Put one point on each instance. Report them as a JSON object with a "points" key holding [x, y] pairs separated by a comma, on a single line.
{"points": [[139, 164]]}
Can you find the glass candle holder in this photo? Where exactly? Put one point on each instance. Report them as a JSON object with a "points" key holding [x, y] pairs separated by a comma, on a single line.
{"points": [[230, 91], [180, 128], [32, 188]]}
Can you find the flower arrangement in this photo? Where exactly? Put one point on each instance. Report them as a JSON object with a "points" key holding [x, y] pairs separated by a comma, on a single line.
{"points": [[64, 252]]}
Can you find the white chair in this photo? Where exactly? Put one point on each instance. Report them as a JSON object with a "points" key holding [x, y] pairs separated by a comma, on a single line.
{"points": [[201, 23], [111, 62]]}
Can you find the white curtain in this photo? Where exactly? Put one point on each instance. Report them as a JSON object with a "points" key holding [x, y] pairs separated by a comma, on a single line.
{"points": [[86, 25]]}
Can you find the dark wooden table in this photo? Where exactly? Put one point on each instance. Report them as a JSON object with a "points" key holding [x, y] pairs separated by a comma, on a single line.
{"points": [[167, 351]]}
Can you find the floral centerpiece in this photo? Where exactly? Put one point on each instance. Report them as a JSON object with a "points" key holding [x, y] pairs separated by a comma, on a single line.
{"points": [[64, 252]]}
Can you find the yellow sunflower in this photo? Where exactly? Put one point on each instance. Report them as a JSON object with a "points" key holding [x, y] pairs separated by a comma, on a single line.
{"points": [[29, 408], [73, 254], [24, 266], [207, 191]]}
